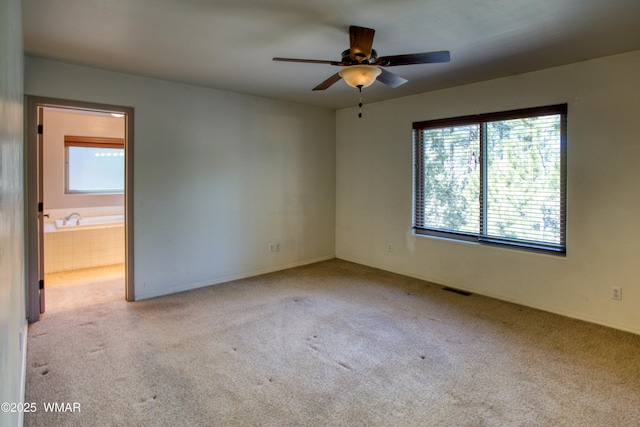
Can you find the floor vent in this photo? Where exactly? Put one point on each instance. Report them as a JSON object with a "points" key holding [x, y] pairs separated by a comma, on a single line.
{"points": [[457, 291]]}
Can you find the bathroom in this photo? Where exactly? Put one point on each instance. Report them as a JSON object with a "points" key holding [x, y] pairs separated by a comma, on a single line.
{"points": [[83, 189]]}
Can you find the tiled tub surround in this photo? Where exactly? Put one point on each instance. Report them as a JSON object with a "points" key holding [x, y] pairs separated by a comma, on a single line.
{"points": [[73, 249]]}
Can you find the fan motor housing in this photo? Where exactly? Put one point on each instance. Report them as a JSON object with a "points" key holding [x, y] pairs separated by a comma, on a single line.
{"points": [[349, 59]]}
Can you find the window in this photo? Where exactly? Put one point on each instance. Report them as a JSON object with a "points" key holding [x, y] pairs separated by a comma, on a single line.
{"points": [[495, 178], [94, 165]]}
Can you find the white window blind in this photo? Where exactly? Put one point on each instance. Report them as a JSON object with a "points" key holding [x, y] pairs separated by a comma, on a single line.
{"points": [[495, 178]]}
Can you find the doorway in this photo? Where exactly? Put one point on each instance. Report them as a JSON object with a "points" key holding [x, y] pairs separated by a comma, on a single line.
{"points": [[107, 199]]}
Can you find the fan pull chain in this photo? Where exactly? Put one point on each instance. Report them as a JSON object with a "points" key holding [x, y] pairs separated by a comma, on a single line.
{"points": [[360, 103]]}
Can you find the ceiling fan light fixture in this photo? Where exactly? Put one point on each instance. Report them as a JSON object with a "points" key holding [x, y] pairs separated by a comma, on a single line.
{"points": [[360, 76]]}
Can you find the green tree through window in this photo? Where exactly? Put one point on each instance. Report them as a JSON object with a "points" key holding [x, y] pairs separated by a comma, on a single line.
{"points": [[495, 178]]}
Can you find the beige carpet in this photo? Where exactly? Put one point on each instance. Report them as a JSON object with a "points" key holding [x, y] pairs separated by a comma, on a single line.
{"points": [[329, 344]]}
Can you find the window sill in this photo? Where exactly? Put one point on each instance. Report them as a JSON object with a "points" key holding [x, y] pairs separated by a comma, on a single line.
{"points": [[474, 240]]}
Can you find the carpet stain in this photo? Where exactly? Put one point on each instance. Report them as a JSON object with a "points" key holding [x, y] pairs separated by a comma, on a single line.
{"points": [[457, 291], [149, 399], [97, 350], [345, 366]]}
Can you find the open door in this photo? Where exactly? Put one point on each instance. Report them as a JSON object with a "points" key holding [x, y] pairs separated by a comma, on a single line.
{"points": [[33, 218], [40, 191], [34, 195], [34, 212]]}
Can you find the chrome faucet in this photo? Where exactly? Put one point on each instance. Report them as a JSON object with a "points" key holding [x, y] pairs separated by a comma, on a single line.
{"points": [[68, 217]]}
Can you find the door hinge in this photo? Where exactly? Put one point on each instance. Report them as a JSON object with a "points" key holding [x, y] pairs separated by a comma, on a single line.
{"points": [[41, 284], [40, 130], [40, 207]]}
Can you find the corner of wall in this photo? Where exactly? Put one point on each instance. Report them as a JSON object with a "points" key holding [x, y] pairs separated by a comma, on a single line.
{"points": [[13, 328]]}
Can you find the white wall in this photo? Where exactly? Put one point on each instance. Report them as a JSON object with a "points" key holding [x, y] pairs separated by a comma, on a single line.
{"points": [[58, 124], [374, 192], [12, 257], [218, 176]]}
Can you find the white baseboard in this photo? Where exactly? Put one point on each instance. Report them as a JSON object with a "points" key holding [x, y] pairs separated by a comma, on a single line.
{"points": [[543, 307], [224, 279]]}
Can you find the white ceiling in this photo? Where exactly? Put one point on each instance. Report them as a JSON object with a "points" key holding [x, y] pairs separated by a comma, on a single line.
{"points": [[228, 44]]}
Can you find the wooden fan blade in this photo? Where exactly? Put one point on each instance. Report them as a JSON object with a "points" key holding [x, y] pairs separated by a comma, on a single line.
{"points": [[328, 83], [361, 41], [414, 58], [390, 79], [310, 61]]}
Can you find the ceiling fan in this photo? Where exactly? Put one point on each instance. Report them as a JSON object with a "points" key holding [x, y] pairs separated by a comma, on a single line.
{"points": [[362, 65]]}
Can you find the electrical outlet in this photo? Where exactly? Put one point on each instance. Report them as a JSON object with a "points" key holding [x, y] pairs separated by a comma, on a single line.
{"points": [[389, 247], [271, 247], [278, 247], [616, 293]]}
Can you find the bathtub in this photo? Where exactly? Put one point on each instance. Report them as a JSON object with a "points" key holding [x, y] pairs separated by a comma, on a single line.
{"points": [[86, 223], [92, 241]]}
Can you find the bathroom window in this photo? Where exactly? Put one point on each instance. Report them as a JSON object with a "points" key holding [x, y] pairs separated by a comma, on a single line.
{"points": [[94, 165]]}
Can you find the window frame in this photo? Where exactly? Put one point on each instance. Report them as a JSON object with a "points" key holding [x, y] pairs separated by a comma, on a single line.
{"points": [[419, 226], [89, 142]]}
